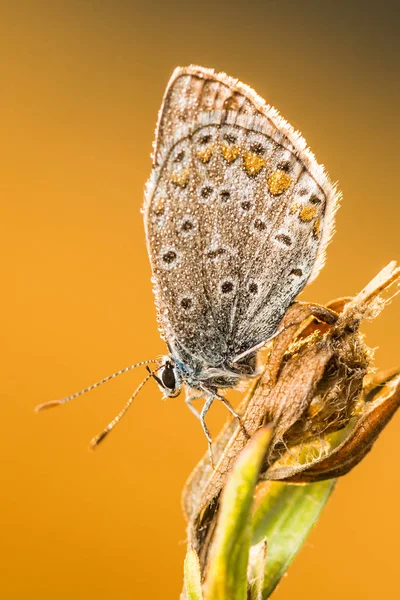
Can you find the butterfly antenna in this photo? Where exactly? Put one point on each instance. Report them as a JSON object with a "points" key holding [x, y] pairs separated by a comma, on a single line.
{"points": [[53, 403], [152, 373], [100, 436]]}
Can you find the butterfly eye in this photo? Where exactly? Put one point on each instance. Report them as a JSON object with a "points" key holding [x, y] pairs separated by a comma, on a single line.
{"points": [[168, 377]]}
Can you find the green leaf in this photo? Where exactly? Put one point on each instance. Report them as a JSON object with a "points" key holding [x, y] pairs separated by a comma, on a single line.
{"points": [[284, 515], [229, 553], [192, 576]]}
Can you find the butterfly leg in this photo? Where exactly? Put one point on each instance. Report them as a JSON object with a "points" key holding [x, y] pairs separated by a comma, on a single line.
{"points": [[203, 413], [234, 413], [189, 400]]}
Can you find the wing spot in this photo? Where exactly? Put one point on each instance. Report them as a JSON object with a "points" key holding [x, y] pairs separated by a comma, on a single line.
{"points": [[315, 200], [259, 225], [253, 163], [296, 272], [187, 226], [231, 139], [278, 182], [169, 257], [205, 155], [206, 192], [226, 287], [253, 288], [307, 213], [230, 153], [284, 239], [179, 157], [186, 303], [245, 205], [225, 195], [205, 139], [180, 178], [257, 148], [284, 166], [214, 254]]}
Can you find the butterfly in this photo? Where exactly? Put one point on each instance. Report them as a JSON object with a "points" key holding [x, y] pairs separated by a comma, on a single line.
{"points": [[237, 215]]}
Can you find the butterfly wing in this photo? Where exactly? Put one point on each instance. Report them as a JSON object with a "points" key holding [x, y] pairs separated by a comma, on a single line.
{"points": [[238, 215]]}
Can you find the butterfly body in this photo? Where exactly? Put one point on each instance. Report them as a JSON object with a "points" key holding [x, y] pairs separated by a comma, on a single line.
{"points": [[199, 375], [237, 214]]}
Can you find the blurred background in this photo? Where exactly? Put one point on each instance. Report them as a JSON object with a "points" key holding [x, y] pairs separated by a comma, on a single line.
{"points": [[81, 84]]}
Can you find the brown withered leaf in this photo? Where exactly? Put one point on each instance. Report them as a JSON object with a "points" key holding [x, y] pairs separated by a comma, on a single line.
{"points": [[326, 407]]}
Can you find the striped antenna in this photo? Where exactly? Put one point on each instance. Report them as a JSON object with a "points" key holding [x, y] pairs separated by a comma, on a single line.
{"points": [[100, 436], [53, 403]]}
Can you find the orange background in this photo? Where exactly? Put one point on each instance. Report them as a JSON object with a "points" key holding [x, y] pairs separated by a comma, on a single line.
{"points": [[81, 84]]}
